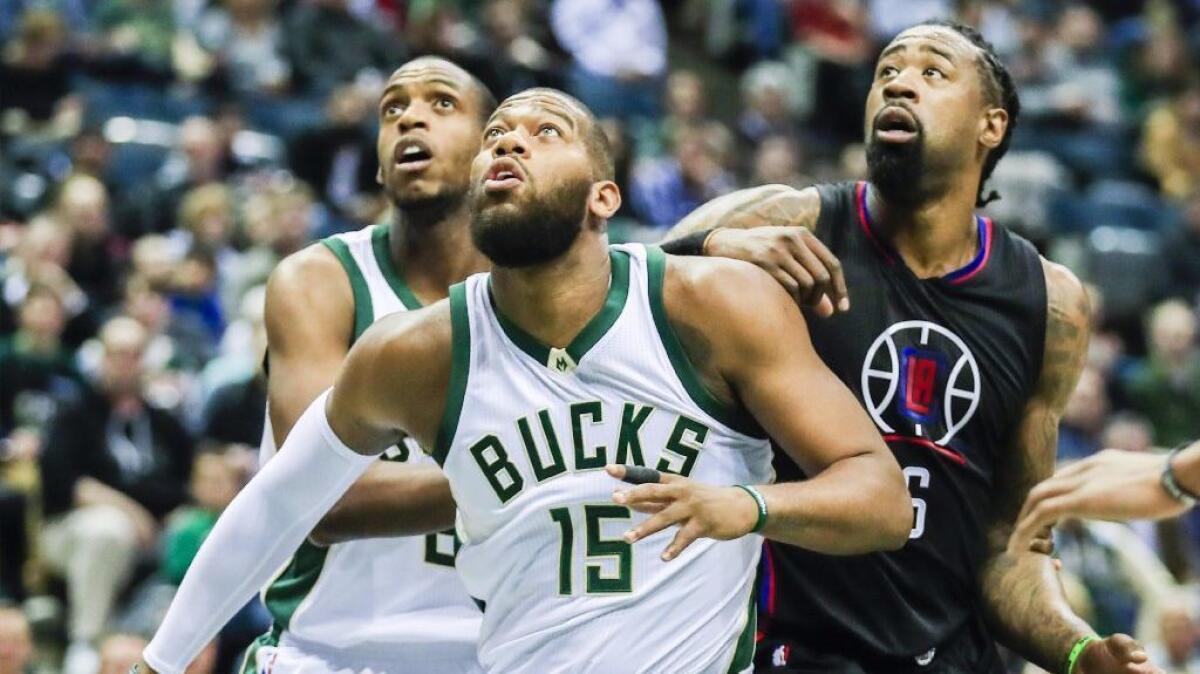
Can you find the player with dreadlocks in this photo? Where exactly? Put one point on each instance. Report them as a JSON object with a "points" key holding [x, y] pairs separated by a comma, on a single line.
{"points": [[962, 343]]}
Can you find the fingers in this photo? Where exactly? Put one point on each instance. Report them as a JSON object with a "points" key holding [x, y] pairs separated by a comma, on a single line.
{"points": [[684, 537], [822, 266], [646, 493], [668, 516], [1125, 649], [1052, 488]]}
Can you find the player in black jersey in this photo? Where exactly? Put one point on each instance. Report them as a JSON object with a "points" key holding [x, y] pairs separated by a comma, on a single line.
{"points": [[962, 343]]}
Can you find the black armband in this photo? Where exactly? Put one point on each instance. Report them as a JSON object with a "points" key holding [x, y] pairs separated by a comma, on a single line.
{"points": [[692, 244]]}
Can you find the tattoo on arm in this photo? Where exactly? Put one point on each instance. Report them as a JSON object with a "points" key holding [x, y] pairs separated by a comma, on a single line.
{"points": [[754, 207], [1022, 597]]}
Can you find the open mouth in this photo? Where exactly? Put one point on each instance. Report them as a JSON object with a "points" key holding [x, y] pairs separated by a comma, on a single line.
{"points": [[504, 174], [413, 155], [895, 124]]}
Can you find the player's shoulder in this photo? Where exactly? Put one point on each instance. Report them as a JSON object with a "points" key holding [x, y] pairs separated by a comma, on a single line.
{"points": [[313, 263], [719, 285], [1066, 295]]}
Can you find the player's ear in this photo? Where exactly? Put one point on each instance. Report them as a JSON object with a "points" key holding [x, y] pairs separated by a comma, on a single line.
{"points": [[604, 200], [992, 126], [379, 175]]}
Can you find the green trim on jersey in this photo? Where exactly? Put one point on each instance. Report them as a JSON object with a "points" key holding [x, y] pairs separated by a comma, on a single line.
{"points": [[743, 657], [364, 310], [381, 237], [614, 304], [460, 368], [284, 595], [250, 657], [735, 418]]}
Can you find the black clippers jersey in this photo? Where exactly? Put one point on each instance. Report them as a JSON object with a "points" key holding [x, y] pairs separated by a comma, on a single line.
{"points": [[944, 367]]}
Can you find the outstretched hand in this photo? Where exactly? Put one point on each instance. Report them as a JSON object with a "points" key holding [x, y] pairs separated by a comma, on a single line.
{"points": [[699, 510], [1118, 654], [1113, 485], [795, 257]]}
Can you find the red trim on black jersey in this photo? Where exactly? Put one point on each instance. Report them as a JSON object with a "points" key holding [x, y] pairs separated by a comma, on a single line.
{"points": [[944, 451]]}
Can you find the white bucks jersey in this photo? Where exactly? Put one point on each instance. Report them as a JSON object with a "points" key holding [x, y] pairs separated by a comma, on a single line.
{"points": [[527, 432], [392, 600]]}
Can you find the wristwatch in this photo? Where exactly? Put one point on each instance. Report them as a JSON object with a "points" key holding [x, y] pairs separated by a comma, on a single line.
{"points": [[1171, 485]]}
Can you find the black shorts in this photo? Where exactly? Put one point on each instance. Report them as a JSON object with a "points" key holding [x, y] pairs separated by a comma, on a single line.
{"points": [[969, 651]]}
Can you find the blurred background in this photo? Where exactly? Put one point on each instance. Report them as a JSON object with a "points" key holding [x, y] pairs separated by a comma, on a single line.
{"points": [[159, 157]]}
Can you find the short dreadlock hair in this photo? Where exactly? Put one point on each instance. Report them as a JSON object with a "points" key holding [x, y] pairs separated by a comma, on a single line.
{"points": [[1001, 91]]}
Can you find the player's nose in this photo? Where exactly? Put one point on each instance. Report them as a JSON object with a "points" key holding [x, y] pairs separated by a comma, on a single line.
{"points": [[900, 88], [415, 116], [510, 144]]}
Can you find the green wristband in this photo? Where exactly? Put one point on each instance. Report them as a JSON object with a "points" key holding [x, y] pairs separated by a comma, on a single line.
{"points": [[762, 506], [1076, 651]]}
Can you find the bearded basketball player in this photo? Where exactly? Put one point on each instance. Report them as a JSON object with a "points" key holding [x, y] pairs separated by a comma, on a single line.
{"points": [[962, 344]]}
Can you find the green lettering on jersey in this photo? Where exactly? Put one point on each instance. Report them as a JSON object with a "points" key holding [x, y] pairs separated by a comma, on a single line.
{"points": [[629, 440], [618, 550], [436, 545], [585, 460], [492, 459], [541, 470], [683, 447]]}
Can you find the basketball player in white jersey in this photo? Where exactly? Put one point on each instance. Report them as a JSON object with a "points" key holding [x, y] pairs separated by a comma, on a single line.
{"points": [[359, 604], [527, 382]]}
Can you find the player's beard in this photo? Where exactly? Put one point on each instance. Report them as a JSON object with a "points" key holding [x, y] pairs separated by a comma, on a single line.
{"points": [[530, 233], [896, 169]]}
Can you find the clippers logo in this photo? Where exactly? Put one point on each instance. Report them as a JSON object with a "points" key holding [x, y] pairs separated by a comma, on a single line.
{"points": [[920, 374]]}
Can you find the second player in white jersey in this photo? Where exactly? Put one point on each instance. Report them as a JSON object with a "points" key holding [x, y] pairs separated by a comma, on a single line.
{"points": [[387, 604], [527, 434]]}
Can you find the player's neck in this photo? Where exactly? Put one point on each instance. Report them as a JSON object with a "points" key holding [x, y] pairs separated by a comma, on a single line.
{"points": [[434, 255], [553, 302], [934, 237]]}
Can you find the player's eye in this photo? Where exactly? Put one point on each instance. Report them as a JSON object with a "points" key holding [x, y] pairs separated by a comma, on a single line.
{"points": [[888, 71], [393, 109], [445, 103], [548, 130], [493, 132], [934, 73]]}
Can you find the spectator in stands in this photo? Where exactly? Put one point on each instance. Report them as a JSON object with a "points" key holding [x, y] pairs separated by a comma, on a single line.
{"points": [[665, 190], [1171, 142], [215, 481], [337, 157], [145, 28], [97, 253], [36, 370], [1083, 420], [328, 46], [203, 157], [16, 642], [194, 292], [41, 256], [1166, 388], [778, 161], [233, 412], [175, 341], [247, 41], [687, 107], [36, 96], [1182, 251], [766, 109], [207, 221], [514, 49], [619, 53], [113, 466]]}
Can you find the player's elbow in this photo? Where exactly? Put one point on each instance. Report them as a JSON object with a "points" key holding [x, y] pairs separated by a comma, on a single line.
{"points": [[893, 508]]}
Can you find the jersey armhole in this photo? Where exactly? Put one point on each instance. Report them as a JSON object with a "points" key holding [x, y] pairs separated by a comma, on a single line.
{"points": [[460, 368], [734, 418], [364, 312]]}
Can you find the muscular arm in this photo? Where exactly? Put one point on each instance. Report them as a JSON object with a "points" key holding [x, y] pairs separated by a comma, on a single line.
{"points": [[759, 353], [332, 443], [310, 320], [1022, 597], [751, 208]]}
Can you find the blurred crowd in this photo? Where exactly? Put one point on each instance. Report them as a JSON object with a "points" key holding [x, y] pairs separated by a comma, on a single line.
{"points": [[159, 157]]}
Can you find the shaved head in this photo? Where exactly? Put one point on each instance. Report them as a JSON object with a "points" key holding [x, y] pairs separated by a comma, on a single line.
{"points": [[433, 67]]}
